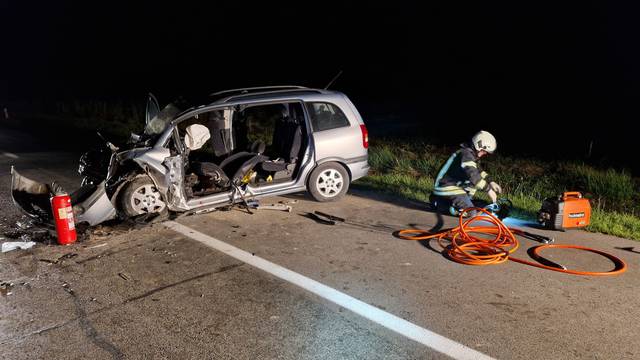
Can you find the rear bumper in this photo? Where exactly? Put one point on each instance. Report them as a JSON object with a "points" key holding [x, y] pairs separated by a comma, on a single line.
{"points": [[358, 169]]}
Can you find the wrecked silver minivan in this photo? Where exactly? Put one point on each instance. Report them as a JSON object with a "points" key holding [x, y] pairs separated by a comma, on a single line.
{"points": [[247, 143]]}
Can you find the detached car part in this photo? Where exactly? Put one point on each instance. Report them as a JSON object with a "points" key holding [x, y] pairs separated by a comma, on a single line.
{"points": [[90, 202]]}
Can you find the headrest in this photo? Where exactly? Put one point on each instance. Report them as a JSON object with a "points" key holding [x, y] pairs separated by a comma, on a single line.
{"points": [[258, 147], [284, 111], [197, 135]]}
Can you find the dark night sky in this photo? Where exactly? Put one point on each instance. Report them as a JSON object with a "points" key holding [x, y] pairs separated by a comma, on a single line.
{"points": [[536, 74]]}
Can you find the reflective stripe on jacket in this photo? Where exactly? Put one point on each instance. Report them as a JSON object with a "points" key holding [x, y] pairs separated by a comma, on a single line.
{"points": [[460, 175]]}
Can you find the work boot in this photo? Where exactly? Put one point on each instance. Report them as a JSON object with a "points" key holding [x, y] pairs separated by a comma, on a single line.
{"points": [[453, 211]]}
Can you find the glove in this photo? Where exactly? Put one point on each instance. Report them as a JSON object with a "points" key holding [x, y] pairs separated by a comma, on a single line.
{"points": [[495, 187], [492, 194]]}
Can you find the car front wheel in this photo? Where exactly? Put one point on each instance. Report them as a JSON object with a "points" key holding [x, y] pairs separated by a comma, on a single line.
{"points": [[141, 196], [328, 182]]}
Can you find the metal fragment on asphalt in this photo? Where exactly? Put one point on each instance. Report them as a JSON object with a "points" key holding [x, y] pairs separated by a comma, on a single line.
{"points": [[13, 245], [124, 276]]}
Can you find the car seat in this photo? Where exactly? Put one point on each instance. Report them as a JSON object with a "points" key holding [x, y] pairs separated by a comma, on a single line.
{"points": [[238, 165], [287, 142], [221, 134], [211, 178]]}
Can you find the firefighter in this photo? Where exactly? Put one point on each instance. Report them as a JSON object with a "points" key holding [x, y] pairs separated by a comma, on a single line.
{"points": [[460, 177]]}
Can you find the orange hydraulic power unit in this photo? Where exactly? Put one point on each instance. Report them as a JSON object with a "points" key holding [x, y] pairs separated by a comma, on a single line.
{"points": [[567, 211]]}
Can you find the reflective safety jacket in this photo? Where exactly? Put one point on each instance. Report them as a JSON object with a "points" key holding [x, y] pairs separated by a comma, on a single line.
{"points": [[461, 175]]}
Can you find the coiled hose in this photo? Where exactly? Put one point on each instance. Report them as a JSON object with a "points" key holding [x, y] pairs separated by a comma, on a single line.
{"points": [[467, 248]]}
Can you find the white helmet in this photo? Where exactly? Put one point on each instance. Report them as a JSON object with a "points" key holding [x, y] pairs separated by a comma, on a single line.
{"points": [[483, 140]]}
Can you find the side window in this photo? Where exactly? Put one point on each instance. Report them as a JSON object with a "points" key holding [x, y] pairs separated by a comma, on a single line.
{"points": [[326, 116], [219, 126]]}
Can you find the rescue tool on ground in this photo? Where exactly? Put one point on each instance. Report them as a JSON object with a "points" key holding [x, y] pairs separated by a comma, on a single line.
{"points": [[501, 208]]}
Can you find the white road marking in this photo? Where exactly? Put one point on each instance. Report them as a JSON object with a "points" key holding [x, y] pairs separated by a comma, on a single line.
{"points": [[9, 155], [414, 332]]}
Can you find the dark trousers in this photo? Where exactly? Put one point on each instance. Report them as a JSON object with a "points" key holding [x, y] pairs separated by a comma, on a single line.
{"points": [[461, 202]]}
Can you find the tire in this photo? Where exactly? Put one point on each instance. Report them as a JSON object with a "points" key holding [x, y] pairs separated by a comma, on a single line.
{"points": [[139, 197], [328, 182]]}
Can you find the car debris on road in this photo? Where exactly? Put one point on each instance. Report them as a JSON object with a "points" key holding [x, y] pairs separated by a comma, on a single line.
{"points": [[124, 276], [255, 204], [61, 259], [13, 245], [324, 218], [280, 207], [6, 288]]}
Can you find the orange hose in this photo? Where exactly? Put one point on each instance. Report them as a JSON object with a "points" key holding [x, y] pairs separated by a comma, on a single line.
{"points": [[469, 249]]}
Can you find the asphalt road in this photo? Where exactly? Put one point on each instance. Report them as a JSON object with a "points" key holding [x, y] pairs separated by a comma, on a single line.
{"points": [[151, 292]]}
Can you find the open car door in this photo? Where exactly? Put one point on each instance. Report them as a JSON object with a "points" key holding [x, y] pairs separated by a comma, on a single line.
{"points": [[153, 108]]}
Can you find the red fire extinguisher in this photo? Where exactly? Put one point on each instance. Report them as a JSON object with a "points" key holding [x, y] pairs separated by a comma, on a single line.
{"points": [[63, 216]]}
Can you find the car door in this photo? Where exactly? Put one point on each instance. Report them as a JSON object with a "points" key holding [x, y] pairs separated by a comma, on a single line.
{"points": [[152, 109]]}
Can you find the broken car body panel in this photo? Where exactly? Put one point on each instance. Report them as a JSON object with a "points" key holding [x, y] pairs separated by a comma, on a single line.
{"points": [[174, 177], [31, 196], [150, 160], [96, 208], [90, 203]]}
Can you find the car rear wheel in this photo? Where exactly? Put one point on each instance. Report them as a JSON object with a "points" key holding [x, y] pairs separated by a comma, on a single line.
{"points": [[141, 196], [328, 182]]}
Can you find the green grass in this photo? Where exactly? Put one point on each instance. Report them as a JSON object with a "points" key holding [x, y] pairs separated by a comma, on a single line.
{"points": [[408, 169], [615, 223]]}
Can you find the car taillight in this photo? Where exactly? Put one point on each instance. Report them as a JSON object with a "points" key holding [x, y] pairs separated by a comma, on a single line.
{"points": [[365, 136]]}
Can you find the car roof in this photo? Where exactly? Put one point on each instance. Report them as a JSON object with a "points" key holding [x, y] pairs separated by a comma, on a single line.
{"points": [[263, 94], [267, 93]]}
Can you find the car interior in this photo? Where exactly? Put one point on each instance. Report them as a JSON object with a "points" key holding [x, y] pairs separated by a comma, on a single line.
{"points": [[251, 144]]}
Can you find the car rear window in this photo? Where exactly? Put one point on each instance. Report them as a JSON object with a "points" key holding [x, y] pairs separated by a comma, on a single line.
{"points": [[326, 116]]}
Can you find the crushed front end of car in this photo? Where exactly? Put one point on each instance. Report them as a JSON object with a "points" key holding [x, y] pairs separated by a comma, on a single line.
{"points": [[105, 172]]}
